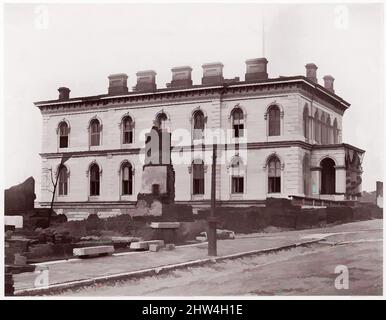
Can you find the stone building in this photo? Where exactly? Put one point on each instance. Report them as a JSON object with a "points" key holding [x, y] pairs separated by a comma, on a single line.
{"points": [[277, 137]]}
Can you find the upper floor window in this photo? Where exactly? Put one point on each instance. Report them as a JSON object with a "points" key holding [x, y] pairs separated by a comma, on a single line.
{"points": [[323, 129], [63, 135], [274, 179], [161, 121], [238, 123], [63, 181], [95, 132], [328, 130], [198, 125], [198, 177], [274, 121], [306, 125], [127, 130], [335, 131], [127, 179], [316, 127], [94, 180]]}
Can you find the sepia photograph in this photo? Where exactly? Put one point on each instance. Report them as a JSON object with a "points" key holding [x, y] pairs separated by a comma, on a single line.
{"points": [[192, 150]]}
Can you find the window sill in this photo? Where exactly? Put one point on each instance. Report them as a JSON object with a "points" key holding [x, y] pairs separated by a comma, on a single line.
{"points": [[93, 198], [198, 196], [274, 195], [127, 197], [236, 196]]}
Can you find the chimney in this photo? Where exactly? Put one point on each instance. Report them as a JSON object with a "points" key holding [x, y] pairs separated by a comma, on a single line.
{"points": [[118, 84], [212, 73], [329, 83], [64, 93], [181, 77], [256, 69], [311, 72], [146, 81]]}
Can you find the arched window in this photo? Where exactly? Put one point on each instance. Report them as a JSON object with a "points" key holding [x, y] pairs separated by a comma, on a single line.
{"points": [[94, 180], [63, 181], [127, 178], [274, 175], [198, 125], [127, 130], [328, 130], [198, 177], [335, 131], [237, 174], [306, 125], [95, 132], [316, 127], [161, 121], [306, 175], [63, 135], [274, 121], [322, 129], [328, 176], [238, 123]]}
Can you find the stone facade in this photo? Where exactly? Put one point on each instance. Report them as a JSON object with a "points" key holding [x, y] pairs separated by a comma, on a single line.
{"points": [[297, 147]]}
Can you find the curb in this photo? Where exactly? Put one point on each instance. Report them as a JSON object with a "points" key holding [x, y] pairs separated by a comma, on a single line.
{"points": [[153, 271]]}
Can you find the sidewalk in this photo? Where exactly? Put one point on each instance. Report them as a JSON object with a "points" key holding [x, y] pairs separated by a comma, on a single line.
{"points": [[123, 265]]}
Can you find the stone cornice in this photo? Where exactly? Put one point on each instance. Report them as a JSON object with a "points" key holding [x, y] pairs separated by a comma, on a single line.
{"points": [[241, 146], [194, 93]]}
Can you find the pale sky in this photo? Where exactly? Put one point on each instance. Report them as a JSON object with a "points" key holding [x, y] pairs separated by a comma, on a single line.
{"points": [[79, 45]]}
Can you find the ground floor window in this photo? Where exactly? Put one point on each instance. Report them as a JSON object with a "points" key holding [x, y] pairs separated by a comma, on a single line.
{"points": [[237, 184], [328, 176], [274, 179], [94, 180], [198, 178], [127, 179], [63, 182]]}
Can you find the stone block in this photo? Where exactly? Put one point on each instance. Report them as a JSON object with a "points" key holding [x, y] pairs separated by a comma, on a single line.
{"points": [[155, 247], [165, 225], [127, 240], [16, 221], [140, 245], [93, 251], [144, 245], [225, 234], [170, 246]]}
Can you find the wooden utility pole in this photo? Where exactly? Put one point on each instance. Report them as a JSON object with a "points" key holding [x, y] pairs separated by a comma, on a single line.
{"points": [[212, 220]]}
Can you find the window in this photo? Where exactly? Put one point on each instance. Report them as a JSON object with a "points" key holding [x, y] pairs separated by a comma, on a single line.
{"points": [[95, 132], [63, 135], [237, 181], [322, 130], [127, 129], [237, 184], [238, 123], [94, 180], [306, 125], [198, 125], [316, 127], [63, 181], [335, 131], [127, 179], [198, 177], [328, 130], [161, 121], [274, 169], [274, 121], [328, 176]]}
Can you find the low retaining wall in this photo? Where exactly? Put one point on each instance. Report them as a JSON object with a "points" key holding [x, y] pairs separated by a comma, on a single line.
{"points": [[283, 214]]}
